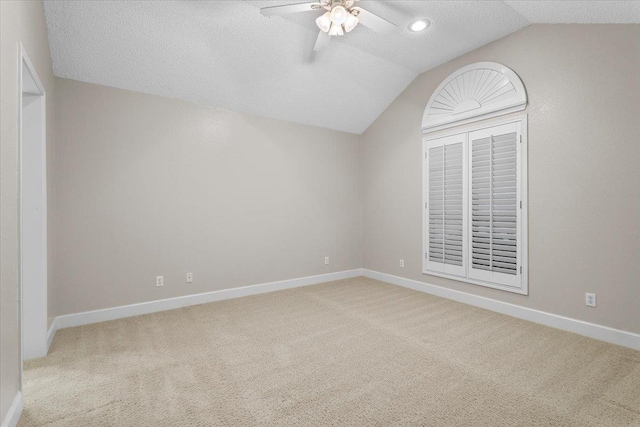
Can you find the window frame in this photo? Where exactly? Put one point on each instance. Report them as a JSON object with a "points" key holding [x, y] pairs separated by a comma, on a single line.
{"points": [[523, 287]]}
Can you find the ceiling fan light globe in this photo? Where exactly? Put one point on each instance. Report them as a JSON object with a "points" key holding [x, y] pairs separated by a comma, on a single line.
{"points": [[324, 22], [339, 15], [350, 23], [336, 30]]}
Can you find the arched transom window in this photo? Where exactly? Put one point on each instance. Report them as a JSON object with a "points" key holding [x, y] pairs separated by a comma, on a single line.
{"points": [[475, 92]]}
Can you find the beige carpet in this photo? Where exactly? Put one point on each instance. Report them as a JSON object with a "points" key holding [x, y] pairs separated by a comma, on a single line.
{"points": [[352, 352]]}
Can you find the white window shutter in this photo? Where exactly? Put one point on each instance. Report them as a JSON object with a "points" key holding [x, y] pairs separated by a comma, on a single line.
{"points": [[475, 224], [445, 208], [495, 239]]}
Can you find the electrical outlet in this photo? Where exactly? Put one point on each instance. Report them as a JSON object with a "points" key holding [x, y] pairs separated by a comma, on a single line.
{"points": [[189, 277], [326, 260], [159, 281], [590, 300], [401, 263]]}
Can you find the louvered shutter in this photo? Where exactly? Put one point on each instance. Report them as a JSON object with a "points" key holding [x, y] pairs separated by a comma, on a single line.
{"points": [[445, 205], [495, 246]]}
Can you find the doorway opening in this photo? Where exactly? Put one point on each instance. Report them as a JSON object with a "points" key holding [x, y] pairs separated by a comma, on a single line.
{"points": [[33, 212]]}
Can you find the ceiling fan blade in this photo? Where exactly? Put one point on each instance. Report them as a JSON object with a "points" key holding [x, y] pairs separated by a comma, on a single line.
{"points": [[322, 41], [290, 8], [374, 22]]}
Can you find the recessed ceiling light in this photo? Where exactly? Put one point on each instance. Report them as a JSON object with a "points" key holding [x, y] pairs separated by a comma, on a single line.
{"points": [[419, 25]]}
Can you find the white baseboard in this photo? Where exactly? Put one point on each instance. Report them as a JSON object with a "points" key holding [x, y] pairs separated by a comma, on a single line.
{"points": [[591, 330], [78, 319], [11, 420], [51, 333]]}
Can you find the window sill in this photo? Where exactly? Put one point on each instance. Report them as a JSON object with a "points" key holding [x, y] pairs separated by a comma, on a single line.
{"points": [[521, 291]]}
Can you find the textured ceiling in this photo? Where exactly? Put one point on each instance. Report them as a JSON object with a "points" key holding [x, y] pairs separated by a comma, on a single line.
{"points": [[226, 54]]}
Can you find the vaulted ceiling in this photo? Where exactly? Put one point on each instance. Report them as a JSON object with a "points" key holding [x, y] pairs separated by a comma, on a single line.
{"points": [[226, 54]]}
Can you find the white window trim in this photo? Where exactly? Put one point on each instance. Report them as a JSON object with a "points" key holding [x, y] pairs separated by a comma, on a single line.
{"points": [[524, 283], [463, 97]]}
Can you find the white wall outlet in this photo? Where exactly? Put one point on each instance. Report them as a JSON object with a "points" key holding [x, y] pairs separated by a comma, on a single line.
{"points": [[590, 300], [159, 281], [401, 263], [326, 260], [189, 277]]}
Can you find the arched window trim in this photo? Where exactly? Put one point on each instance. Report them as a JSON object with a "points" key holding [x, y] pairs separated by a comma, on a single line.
{"points": [[476, 92]]}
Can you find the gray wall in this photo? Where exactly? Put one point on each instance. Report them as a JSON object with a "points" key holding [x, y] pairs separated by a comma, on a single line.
{"points": [[152, 186], [21, 21], [149, 186], [584, 171]]}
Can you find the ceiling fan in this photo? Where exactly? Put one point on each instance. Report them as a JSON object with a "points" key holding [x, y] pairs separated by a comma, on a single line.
{"points": [[340, 17]]}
